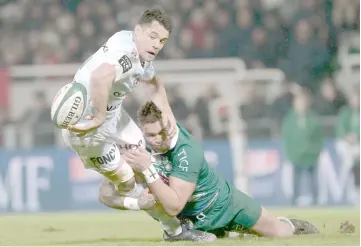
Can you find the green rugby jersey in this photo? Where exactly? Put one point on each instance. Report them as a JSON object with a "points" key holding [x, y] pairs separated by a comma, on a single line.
{"points": [[186, 161]]}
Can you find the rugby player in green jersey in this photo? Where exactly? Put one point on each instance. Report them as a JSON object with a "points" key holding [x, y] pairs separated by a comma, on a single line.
{"points": [[186, 185], [189, 187]]}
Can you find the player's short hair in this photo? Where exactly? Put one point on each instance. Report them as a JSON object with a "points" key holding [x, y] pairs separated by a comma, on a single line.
{"points": [[156, 14], [149, 113]]}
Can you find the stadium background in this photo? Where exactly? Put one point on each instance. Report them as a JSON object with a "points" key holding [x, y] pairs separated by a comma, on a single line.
{"points": [[277, 51]]}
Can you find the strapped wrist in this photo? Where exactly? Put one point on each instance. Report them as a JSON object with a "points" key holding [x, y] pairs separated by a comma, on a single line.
{"points": [[150, 174]]}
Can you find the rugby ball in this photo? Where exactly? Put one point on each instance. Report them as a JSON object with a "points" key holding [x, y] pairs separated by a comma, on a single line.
{"points": [[69, 105]]}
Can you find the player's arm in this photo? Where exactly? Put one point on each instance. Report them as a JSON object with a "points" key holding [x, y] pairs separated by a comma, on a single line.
{"points": [[116, 65], [159, 97], [102, 79], [173, 197]]}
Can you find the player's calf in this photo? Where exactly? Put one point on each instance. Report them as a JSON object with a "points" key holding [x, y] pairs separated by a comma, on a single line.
{"points": [[269, 225]]}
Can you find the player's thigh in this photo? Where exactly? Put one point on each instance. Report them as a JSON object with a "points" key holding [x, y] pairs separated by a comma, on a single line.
{"points": [[103, 157], [253, 218], [247, 212]]}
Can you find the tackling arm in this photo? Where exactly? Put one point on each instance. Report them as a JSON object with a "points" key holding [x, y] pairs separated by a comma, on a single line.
{"points": [[159, 97], [173, 197]]}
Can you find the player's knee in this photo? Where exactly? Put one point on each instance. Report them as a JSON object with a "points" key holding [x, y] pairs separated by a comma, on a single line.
{"points": [[121, 175]]}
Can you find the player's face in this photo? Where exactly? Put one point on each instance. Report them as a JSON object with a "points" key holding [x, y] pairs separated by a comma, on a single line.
{"points": [[156, 137], [150, 39]]}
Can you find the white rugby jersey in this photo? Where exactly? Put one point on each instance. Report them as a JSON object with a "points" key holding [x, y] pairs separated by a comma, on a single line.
{"points": [[120, 51]]}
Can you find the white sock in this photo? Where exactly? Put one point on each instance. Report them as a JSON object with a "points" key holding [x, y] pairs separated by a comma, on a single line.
{"points": [[171, 224], [286, 220]]}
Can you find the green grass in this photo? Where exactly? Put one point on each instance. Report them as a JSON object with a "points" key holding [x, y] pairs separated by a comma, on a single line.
{"points": [[130, 228]]}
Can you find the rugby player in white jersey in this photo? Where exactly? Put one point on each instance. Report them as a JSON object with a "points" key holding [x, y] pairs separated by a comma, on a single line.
{"points": [[109, 75]]}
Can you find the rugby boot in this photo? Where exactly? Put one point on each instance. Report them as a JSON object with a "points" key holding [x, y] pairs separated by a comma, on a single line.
{"points": [[191, 235], [185, 221], [303, 227]]}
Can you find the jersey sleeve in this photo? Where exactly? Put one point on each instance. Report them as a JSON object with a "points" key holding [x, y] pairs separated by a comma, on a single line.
{"points": [[120, 52], [187, 164]]}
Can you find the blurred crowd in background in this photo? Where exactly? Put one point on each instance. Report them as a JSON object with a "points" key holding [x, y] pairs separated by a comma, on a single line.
{"points": [[302, 38]]}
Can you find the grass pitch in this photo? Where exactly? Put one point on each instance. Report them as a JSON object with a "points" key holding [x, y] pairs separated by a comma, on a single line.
{"points": [[136, 228]]}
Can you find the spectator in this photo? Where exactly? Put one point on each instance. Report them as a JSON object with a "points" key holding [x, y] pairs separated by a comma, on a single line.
{"points": [[303, 56], [210, 46], [255, 106], [244, 26], [329, 99], [259, 54], [305, 12], [345, 17], [255, 112], [348, 132], [227, 34], [38, 118], [178, 104], [186, 44], [302, 141], [282, 104], [192, 124], [275, 36], [202, 108], [198, 26]]}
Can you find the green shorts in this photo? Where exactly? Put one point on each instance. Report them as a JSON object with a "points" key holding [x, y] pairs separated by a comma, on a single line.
{"points": [[232, 211]]}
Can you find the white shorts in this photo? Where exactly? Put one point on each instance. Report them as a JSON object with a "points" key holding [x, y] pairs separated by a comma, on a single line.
{"points": [[100, 150]]}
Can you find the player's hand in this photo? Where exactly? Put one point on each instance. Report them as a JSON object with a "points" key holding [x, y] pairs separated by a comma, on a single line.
{"points": [[170, 129], [139, 160], [83, 128]]}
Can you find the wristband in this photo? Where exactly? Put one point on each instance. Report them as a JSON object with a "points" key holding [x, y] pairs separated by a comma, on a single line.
{"points": [[150, 174], [131, 203]]}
